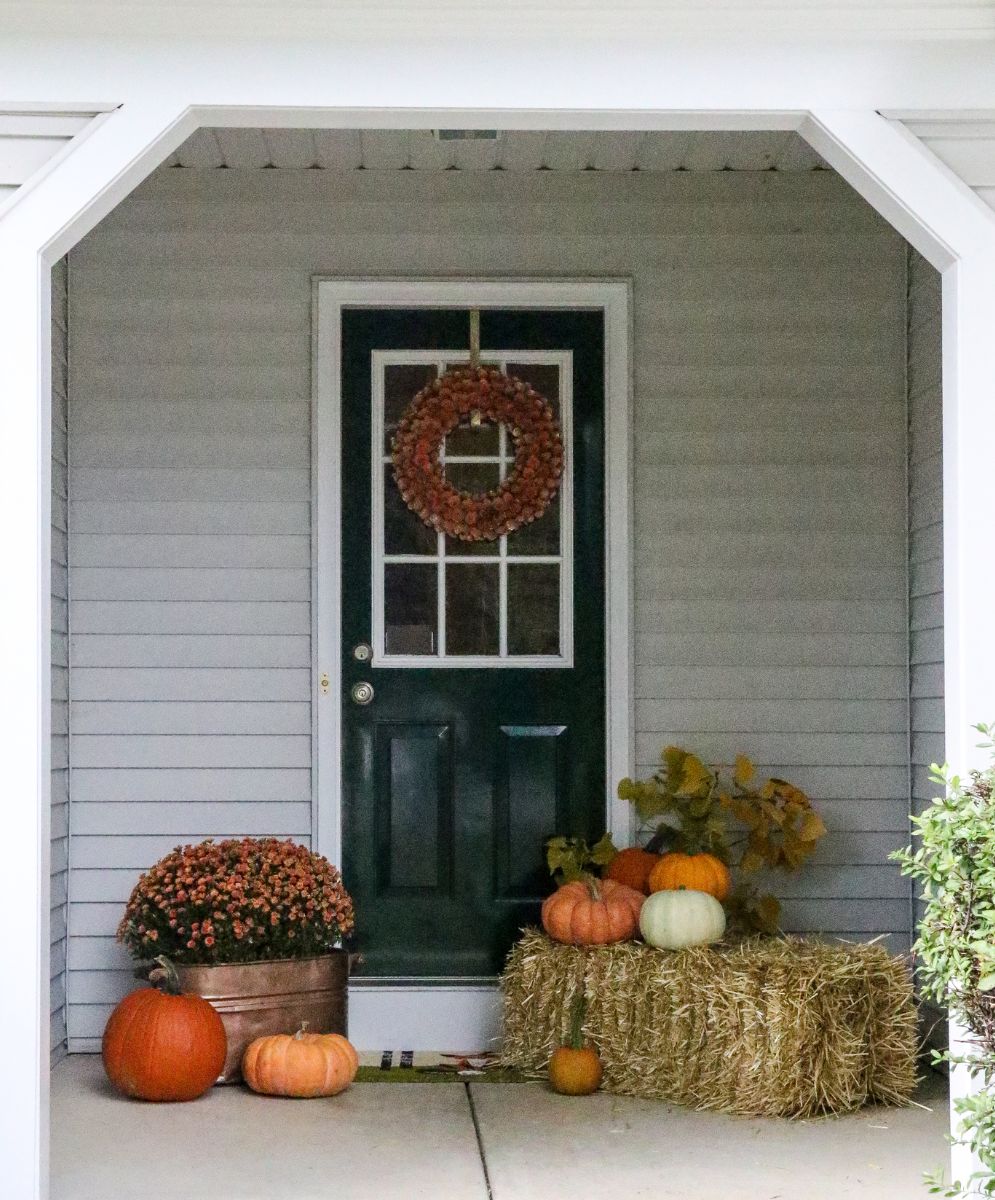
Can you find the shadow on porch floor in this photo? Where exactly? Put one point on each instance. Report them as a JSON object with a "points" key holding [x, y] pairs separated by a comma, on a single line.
{"points": [[471, 1142]]}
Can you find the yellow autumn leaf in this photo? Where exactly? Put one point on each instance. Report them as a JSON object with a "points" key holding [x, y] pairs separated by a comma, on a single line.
{"points": [[744, 770], [673, 758], [772, 811], [768, 912], [812, 827], [696, 776], [750, 862], [744, 811], [627, 789]]}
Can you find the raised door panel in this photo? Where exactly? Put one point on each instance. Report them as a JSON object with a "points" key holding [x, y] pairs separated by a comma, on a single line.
{"points": [[530, 804], [414, 798]]}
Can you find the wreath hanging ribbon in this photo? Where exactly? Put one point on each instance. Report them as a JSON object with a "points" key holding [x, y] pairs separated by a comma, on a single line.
{"points": [[478, 394]]}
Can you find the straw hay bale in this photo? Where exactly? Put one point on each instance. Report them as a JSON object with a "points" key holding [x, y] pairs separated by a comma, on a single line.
{"points": [[763, 1027]]}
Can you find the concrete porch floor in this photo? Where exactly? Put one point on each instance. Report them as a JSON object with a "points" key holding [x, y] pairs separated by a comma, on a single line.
{"points": [[484, 1141]]}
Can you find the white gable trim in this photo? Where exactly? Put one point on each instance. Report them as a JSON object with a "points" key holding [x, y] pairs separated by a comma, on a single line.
{"points": [[903, 181]]}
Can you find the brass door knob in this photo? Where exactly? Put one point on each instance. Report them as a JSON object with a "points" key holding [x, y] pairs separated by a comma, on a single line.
{"points": [[362, 692]]}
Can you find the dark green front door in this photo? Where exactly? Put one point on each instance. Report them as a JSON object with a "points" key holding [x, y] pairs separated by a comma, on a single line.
{"points": [[485, 733]]}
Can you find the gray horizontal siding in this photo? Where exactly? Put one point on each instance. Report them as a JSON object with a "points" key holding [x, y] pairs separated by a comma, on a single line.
{"points": [[769, 482], [925, 528], [59, 870]]}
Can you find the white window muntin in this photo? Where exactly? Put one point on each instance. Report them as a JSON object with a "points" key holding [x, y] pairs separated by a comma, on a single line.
{"points": [[381, 462]]}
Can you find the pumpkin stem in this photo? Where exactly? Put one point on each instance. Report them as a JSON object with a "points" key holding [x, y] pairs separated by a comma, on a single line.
{"points": [[593, 886], [301, 1032], [657, 843], [165, 977], [578, 1010]]}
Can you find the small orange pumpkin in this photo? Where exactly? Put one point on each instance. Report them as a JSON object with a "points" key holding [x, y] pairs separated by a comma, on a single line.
{"points": [[302, 1065], [592, 912], [162, 1045], [696, 872], [632, 867], [575, 1069]]}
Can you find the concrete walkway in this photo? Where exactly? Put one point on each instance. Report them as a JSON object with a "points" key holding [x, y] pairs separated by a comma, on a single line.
{"points": [[485, 1141]]}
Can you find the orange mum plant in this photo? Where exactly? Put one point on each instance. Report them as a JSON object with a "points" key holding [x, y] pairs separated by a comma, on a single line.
{"points": [[746, 823], [238, 900]]}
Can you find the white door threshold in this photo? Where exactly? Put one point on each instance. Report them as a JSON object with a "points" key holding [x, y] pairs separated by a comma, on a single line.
{"points": [[457, 1017]]}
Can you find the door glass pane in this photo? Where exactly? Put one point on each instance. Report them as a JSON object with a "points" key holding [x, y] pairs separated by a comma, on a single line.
{"points": [[472, 608], [475, 478], [544, 377], [473, 439], [465, 362], [401, 383], [542, 536], [410, 608], [533, 608], [403, 531]]}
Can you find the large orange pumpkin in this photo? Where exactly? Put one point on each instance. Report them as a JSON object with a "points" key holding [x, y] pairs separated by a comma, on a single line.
{"points": [[302, 1065], [632, 867], [696, 872], [592, 912], [161, 1045]]}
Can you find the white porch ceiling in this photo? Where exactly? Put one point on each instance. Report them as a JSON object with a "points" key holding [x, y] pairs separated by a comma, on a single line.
{"points": [[515, 150]]}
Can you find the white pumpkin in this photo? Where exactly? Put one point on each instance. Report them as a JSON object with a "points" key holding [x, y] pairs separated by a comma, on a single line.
{"points": [[671, 920]]}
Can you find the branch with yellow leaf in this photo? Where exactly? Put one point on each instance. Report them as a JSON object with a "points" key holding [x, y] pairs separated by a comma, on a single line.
{"points": [[726, 811]]}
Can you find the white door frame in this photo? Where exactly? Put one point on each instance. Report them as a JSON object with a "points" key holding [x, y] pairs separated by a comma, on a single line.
{"points": [[331, 297], [409, 1014], [937, 213]]}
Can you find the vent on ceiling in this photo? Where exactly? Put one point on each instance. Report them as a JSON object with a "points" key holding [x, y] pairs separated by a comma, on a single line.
{"points": [[466, 135]]}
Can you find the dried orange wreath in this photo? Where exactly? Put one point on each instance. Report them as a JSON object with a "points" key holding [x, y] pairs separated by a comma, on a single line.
{"points": [[475, 395]]}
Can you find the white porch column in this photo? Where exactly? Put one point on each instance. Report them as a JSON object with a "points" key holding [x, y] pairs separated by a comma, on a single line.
{"points": [[24, 720], [968, 544], [38, 229]]}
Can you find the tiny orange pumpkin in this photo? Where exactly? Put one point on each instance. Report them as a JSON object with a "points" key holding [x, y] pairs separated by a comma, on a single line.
{"points": [[592, 912], [696, 872], [302, 1065], [632, 867], [575, 1069]]}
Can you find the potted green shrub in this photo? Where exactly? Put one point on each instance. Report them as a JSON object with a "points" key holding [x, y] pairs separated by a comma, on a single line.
{"points": [[255, 925], [954, 864]]}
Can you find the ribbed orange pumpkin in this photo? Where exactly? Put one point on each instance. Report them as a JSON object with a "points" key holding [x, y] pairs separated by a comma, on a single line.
{"points": [[696, 872], [302, 1065], [632, 867], [160, 1045], [590, 912]]}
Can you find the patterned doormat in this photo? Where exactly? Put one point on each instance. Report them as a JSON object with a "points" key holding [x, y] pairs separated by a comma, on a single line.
{"points": [[429, 1066]]}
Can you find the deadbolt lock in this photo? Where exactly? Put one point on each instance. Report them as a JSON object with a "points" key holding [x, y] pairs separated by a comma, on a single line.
{"points": [[363, 652]]}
